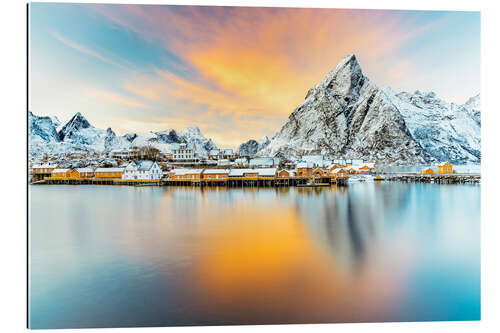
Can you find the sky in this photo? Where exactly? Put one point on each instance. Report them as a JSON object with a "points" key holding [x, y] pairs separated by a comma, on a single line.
{"points": [[235, 72]]}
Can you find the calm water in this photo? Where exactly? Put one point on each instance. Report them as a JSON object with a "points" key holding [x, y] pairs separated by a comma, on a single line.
{"points": [[103, 256]]}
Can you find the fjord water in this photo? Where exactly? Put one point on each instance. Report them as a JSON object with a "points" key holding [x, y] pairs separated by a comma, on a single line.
{"points": [[109, 256]]}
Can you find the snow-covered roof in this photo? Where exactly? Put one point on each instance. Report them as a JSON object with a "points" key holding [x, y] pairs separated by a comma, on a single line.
{"points": [[241, 160], [109, 170], [304, 165], [265, 161], [337, 170], [267, 172], [290, 172], [240, 172], [368, 164], [313, 158], [215, 171], [442, 164], [228, 152], [45, 166], [181, 172], [145, 165], [84, 170], [213, 152], [60, 170]]}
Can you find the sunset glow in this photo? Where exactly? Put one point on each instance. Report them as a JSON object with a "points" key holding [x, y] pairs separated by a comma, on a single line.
{"points": [[235, 72]]}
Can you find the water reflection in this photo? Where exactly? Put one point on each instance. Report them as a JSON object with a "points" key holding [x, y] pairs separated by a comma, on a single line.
{"points": [[213, 255]]}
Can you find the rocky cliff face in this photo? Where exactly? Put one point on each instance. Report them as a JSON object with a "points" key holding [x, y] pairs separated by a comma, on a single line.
{"points": [[347, 115], [251, 147], [42, 129]]}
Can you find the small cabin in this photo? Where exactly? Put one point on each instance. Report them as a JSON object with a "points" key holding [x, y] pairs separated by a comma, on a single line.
{"points": [[427, 171], [318, 173], [445, 167], [215, 174], [304, 169], [267, 172], [109, 173], [185, 174], [339, 172], [364, 169], [283, 174], [46, 168], [61, 173]]}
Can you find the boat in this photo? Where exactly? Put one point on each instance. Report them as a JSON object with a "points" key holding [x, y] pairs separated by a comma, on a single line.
{"points": [[312, 184]]}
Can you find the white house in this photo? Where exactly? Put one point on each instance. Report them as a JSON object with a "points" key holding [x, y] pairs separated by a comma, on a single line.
{"points": [[183, 153], [142, 170], [223, 162], [241, 162]]}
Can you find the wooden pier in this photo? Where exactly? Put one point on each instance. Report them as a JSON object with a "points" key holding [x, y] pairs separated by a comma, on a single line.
{"points": [[98, 181], [433, 178], [258, 181]]}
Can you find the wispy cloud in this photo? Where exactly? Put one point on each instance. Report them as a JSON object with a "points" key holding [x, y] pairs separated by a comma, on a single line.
{"points": [[85, 50], [116, 98]]}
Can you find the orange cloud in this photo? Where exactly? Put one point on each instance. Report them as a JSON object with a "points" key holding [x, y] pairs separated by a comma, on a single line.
{"points": [[252, 61]]}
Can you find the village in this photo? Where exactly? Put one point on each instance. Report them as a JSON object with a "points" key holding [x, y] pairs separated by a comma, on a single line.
{"points": [[221, 168]]}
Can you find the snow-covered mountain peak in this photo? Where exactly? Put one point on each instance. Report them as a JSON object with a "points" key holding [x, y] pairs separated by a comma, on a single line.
{"points": [[193, 129], [473, 103], [76, 123], [346, 79], [348, 115]]}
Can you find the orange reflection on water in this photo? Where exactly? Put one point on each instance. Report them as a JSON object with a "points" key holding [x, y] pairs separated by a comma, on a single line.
{"points": [[264, 267]]}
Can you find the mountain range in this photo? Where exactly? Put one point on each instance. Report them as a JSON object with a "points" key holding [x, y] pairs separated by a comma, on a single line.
{"points": [[344, 116], [347, 115], [78, 135]]}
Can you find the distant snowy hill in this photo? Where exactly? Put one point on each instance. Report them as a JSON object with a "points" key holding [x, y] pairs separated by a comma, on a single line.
{"points": [[78, 135], [347, 115], [445, 130], [251, 147]]}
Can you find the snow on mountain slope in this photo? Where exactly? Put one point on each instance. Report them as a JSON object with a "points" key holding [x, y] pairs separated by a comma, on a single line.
{"points": [[347, 115], [251, 147], [446, 130], [42, 128], [78, 135], [473, 106]]}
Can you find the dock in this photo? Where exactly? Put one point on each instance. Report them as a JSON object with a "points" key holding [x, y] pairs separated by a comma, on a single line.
{"points": [[230, 182], [436, 178], [97, 181]]}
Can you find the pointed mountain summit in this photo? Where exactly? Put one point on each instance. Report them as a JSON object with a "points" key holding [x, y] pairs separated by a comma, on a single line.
{"points": [[348, 116], [76, 123], [346, 79]]}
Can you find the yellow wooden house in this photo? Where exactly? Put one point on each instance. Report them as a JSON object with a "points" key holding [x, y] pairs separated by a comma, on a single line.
{"points": [[304, 169], [318, 173], [283, 174], [109, 173], [427, 171], [45, 168], [445, 167], [82, 173], [61, 173], [215, 174]]}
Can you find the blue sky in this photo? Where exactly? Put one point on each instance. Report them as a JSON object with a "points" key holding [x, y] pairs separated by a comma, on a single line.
{"points": [[235, 72]]}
